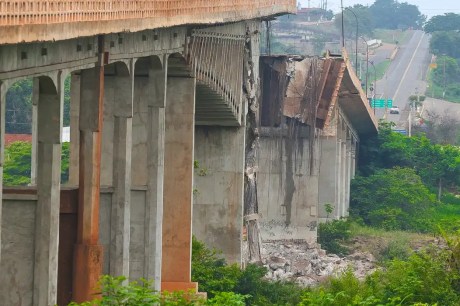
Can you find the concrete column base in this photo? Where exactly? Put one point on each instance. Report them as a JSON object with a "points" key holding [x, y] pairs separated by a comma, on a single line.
{"points": [[179, 286], [88, 269]]}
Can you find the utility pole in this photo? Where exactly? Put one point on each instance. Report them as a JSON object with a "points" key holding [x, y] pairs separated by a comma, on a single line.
{"points": [[343, 32], [444, 90]]}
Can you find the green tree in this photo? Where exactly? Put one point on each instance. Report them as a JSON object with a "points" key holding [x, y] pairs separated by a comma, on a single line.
{"points": [[446, 22], [393, 199], [445, 43], [19, 108], [17, 165], [391, 14], [365, 21]]}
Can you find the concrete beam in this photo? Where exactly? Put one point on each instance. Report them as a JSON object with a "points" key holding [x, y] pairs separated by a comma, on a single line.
{"points": [[33, 162], [122, 85], [155, 168], [178, 184], [74, 129], [88, 251], [50, 104], [3, 90]]}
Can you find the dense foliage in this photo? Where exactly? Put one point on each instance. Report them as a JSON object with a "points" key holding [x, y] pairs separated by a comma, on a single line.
{"points": [[426, 278], [117, 291], [332, 235], [398, 178], [19, 107], [214, 275], [17, 164], [393, 199], [382, 14], [437, 165]]}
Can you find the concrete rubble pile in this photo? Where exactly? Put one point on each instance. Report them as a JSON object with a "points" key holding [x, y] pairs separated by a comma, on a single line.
{"points": [[308, 265]]}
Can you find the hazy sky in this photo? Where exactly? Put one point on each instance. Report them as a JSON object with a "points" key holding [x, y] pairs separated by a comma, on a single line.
{"points": [[427, 7]]}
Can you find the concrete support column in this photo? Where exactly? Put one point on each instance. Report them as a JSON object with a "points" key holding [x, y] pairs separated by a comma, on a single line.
{"points": [[348, 175], [353, 158], [178, 184], [3, 90], [343, 174], [74, 129], [50, 102], [338, 185], [122, 149], [155, 170], [88, 251], [33, 165]]}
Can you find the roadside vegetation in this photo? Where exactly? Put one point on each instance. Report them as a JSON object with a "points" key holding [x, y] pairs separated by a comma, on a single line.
{"points": [[445, 45]]}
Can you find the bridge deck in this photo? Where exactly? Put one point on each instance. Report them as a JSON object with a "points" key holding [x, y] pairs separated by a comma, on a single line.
{"points": [[38, 20]]}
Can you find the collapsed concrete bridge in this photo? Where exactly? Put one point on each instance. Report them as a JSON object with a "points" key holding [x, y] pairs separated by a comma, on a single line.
{"points": [[155, 86]]}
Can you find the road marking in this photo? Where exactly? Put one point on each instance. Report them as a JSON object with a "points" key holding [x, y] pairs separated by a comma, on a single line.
{"points": [[408, 66]]}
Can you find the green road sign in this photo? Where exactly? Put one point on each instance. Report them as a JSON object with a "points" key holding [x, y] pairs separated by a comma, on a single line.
{"points": [[378, 103], [389, 103]]}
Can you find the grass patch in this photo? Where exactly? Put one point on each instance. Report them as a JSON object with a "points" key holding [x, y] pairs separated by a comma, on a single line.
{"points": [[452, 94], [446, 214], [386, 245], [381, 68], [392, 36]]}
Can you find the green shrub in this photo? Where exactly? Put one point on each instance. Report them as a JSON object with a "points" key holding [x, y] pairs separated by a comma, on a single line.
{"points": [[211, 271], [396, 249], [426, 278], [393, 199], [332, 235], [228, 299], [117, 291], [214, 276]]}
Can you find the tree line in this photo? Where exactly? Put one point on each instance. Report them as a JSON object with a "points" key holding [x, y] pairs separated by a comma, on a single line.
{"points": [[382, 14]]}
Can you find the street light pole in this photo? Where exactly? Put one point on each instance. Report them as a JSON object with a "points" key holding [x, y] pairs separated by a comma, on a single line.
{"points": [[375, 82], [343, 33], [356, 41], [367, 61]]}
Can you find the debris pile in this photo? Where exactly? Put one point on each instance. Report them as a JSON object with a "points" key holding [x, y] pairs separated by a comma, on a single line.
{"points": [[308, 265]]}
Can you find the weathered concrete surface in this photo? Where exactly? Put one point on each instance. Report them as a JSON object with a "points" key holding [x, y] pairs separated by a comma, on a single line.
{"points": [[17, 264], [137, 231], [44, 21], [88, 252], [50, 104], [219, 182], [337, 167], [122, 86], [287, 186], [178, 184]]}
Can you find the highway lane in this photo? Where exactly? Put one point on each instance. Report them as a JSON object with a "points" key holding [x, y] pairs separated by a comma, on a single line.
{"points": [[405, 75]]}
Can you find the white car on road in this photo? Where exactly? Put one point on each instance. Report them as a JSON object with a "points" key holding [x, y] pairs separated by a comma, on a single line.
{"points": [[394, 110]]}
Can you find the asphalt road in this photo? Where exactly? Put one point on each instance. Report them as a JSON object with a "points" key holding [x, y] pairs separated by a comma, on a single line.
{"points": [[405, 76]]}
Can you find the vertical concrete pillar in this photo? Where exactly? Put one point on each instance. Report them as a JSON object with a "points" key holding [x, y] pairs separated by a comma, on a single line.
{"points": [[338, 186], [88, 251], [178, 184], [155, 170], [348, 173], [343, 174], [3, 90], [122, 148], [33, 166], [74, 129], [353, 158], [50, 102]]}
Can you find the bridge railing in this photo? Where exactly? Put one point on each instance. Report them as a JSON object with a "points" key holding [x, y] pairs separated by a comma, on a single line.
{"points": [[29, 12]]}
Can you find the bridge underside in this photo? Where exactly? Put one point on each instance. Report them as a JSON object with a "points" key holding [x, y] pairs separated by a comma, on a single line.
{"points": [[127, 208]]}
